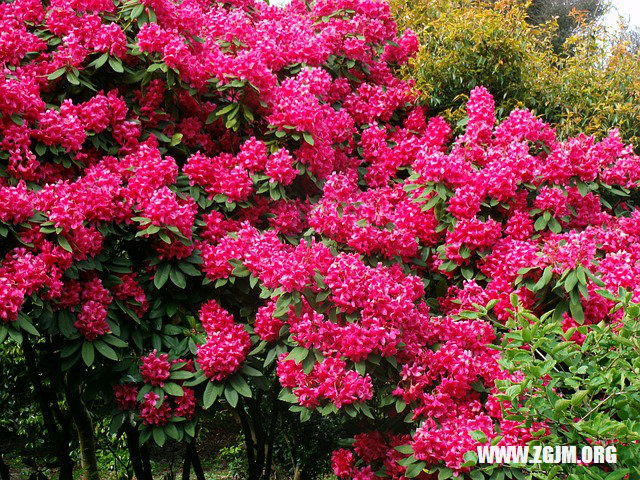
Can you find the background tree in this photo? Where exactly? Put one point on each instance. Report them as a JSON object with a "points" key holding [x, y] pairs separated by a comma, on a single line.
{"points": [[569, 15], [589, 85]]}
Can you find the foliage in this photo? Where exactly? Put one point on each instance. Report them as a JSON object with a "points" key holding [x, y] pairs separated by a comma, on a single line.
{"points": [[588, 394], [470, 43], [587, 86]]}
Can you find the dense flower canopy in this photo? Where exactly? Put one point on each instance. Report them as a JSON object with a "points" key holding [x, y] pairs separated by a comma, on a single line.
{"points": [[229, 190]]}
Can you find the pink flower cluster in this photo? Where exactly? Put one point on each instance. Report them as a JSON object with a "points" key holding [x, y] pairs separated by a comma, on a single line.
{"points": [[151, 413], [371, 447], [126, 396], [155, 368], [328, 380], [227, 343], [92, 319]]}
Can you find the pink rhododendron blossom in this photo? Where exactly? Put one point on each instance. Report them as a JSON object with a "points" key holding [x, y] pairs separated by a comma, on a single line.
{"points": [[155, 368]]}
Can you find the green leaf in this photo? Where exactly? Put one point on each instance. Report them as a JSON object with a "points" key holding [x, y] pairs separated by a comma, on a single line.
{"points": [[211, 118], [162, 275], [15, 335], [116, 64], [181, 375], [582, 188], [58, 73], [232, 396], [445, 473], [173, 389], [65, 323], [72, 78], [561, 405], [116, 422], [308, 138], [17, 119], [554, 225], [576, 312], [415, 469], [471, 459], [190, 428], [159, 437], [433, 201], [171, 431], [176, 139], [105, 350], [406, 449], [478, 435], [100, 61], [64, 243], [407, 461], [88, 353], [617, 474], [70, 349], [226, 109], [25, 324], [177, 277], [211, 393], [298, 354], [544, 279], [250, 371], [240, 385], [571, 281], [137, 11], [607, 294], [578, 397], [199, 378], [115, 341], [540, 224]]}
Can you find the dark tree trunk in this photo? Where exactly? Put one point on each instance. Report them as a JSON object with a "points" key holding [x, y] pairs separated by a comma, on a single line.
{"points": [[259, 444], [86, 436], [195, 461], [134, 453], [59, 443], [250, 443], [146, 462], [275, 404], [4, 469], [186, 466], [258, 441]]}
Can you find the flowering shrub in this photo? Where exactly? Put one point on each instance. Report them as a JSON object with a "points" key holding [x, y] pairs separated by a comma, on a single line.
{"points": [[251, 194]]}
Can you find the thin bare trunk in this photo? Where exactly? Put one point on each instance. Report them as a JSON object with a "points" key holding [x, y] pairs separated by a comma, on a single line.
{"points": [[4, 470], [46, 400], [134, 453], [195, 461], [146, 462], [86, 436], [186, 465]]}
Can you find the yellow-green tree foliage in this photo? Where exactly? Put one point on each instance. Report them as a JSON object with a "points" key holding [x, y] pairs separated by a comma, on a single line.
{"points": [[592, 86]]}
